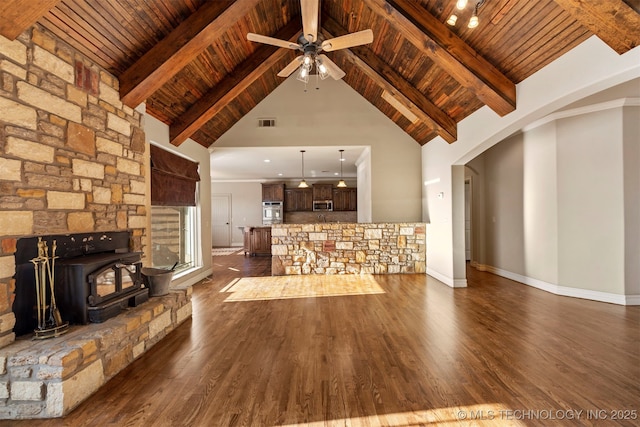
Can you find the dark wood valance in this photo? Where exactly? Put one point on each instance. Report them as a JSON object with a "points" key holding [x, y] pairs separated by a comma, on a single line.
{"points": [[173, 179]]}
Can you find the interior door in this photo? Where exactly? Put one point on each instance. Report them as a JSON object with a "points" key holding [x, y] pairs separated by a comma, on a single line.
{"points": [[221, 220]]}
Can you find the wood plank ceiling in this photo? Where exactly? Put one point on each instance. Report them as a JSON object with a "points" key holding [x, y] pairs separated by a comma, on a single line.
{"points": [[192, 64]]}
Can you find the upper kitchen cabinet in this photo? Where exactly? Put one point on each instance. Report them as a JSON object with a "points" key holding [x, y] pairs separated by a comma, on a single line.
{"points": [[345, 199], [298, 200], [273, 192], [322, 191]]}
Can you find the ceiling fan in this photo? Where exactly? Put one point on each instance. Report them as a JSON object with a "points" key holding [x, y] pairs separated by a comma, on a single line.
{"points": [[311, 45]]}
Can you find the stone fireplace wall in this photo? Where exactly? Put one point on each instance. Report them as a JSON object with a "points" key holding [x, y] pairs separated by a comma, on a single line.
{"points": [[72, 156]]}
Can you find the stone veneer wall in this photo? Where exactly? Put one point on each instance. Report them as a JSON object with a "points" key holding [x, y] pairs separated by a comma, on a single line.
{"points": [[72, 156], [348, 248], [48, 378]]}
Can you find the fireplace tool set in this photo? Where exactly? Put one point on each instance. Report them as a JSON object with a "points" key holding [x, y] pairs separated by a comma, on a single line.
{"points": [[50, 323]]}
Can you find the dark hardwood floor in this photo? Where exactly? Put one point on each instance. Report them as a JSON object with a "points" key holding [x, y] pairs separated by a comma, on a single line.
{"points": [[421, 353]]}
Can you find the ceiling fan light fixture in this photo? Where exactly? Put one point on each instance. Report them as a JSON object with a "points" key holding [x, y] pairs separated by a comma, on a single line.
{"points": [[452, 20], [461, 4], [323, 72], [311, 44], [303, 74]]}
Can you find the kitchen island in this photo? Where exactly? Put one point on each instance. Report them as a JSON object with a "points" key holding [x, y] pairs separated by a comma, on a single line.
{"points": [[256, 240], [348, 248]]}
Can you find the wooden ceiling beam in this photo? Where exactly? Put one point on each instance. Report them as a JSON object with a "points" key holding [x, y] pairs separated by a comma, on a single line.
{"points": [[231, 86], [18, 15], [449, 52], [181, 46], [392, 82], [613, 21]]}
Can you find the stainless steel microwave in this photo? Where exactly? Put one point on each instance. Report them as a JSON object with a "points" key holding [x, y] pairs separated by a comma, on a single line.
{"points": [[323, 205]]}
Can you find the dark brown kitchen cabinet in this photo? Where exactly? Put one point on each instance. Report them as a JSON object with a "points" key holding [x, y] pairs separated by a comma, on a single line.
{"points": [[272, 192], [257, 241], [345, 199], [298, 200], [322, 191]]}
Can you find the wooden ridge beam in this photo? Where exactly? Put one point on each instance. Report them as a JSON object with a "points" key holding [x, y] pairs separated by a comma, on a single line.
{"points": [[231, 86], [389, 80], [181, 46], [613, 21], [449, 52], [18, 15]]}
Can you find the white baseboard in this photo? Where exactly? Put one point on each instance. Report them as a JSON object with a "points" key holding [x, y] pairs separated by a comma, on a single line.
{"points": [[632, 299], [449, 281], [562, 290]]}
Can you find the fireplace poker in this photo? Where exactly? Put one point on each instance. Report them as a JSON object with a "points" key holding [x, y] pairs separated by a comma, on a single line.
{"points": [[43, 279], [41, 283], [36, 269], [53, 310]]}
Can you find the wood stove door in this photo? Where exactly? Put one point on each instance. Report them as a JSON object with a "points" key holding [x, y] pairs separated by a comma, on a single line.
{"points": [[112, 281]]}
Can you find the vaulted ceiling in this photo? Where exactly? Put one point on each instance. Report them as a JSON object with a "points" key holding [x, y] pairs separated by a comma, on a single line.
{"points": [[191, 62]]}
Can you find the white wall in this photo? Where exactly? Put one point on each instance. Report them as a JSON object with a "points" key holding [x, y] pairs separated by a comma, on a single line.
{"points": [[540, 203], [590, 202], [246, 207], [554, 204], [504, 181], [517, 205], [587, 69], [158, 134], [631, 159], [336, 115], [364, 186]]}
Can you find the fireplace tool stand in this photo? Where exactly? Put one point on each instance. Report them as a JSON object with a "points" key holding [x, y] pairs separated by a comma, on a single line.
{"points": [[50, 323]]}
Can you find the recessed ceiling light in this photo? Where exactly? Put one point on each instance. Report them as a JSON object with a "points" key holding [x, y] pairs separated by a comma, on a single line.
{"points": [[280, 174], [336, 173], [267, 161]]}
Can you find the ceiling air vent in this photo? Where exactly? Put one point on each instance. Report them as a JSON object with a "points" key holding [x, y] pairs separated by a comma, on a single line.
{"points": [[266, 123]]}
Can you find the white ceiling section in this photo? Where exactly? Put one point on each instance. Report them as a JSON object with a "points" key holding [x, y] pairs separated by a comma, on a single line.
{"points": [[248, 163]]}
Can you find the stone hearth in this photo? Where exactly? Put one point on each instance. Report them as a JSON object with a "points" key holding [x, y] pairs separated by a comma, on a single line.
{"points": [[49, 378]]}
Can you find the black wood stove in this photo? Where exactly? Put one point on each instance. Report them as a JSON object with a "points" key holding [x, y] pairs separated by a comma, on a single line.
{"points": [[96, 277]]}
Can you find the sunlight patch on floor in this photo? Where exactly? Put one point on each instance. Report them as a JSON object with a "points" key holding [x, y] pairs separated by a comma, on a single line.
{"points": [[473, 415], [305, 286]]}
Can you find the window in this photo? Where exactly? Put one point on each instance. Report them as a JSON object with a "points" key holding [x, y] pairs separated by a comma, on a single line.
{"points": [[175, 212], [174, 237]]}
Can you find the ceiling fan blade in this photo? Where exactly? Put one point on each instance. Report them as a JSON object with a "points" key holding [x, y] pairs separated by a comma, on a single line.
{"points": [[291, 67], [348, 40], [332, 68], [270, 40], [309, 10]]}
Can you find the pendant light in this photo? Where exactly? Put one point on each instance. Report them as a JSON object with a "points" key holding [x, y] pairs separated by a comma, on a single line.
{"points": [[341, 183], [303, 183]]}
